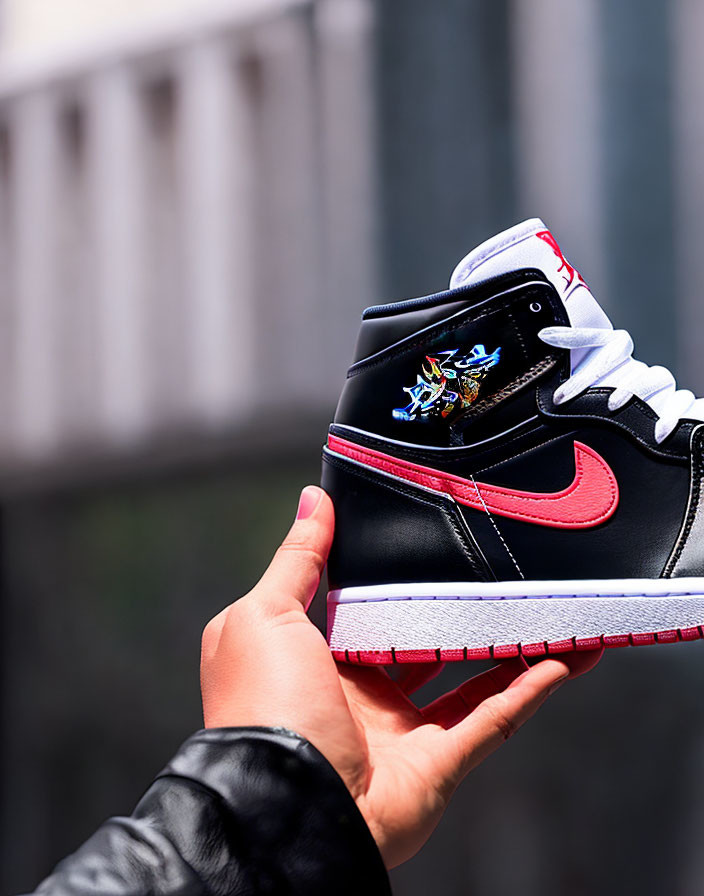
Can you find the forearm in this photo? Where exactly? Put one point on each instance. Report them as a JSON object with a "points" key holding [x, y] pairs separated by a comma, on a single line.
{"points": [[237, 811]]}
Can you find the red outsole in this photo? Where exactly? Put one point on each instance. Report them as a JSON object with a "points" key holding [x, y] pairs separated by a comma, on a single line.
{"points": [[505, 651]]}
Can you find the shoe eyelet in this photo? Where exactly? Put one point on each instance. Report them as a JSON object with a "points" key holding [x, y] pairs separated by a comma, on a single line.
{"points": [[535, 307]]}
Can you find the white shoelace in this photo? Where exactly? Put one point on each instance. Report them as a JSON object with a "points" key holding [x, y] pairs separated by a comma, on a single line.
{"points": [[608, 361]]}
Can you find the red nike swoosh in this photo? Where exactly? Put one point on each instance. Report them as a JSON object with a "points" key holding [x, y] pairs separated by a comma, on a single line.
{"points": [[588, 500]]}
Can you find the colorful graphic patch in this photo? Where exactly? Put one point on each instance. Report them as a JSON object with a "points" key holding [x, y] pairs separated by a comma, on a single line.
{"points": [[448, 382]]}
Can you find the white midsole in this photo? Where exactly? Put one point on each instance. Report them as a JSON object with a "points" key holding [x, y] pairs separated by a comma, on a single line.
{"points": [[515, 590], [446, 624]]}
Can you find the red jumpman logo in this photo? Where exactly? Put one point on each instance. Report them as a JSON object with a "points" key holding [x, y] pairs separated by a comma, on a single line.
{"points": [[570, 273]]}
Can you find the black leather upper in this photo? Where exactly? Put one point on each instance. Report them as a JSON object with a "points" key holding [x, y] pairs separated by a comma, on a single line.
{"points": [[513, 436], [384, 326], [237, 812], [502, 319], [375, 542]]}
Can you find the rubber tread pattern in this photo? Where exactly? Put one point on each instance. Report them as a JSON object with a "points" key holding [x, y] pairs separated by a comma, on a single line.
{"points": [[507, 651]]}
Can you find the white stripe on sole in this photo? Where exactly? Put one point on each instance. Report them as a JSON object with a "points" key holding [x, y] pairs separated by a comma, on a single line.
{"points": [[515, 590], [381, 625]]}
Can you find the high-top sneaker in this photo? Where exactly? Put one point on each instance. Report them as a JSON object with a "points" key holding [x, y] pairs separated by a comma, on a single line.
{"points": [[506, 477]]}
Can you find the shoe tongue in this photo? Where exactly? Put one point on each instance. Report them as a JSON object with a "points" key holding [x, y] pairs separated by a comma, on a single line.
{"points": [[531, 245]]}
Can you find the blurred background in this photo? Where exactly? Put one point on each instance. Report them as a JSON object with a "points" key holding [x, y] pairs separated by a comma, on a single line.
{"points": [[197, 199]]}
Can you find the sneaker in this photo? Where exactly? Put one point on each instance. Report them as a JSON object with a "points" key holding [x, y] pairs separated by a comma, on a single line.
{"points": [[506, 477]]}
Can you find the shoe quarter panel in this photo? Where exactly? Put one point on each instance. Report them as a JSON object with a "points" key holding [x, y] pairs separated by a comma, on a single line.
{"points": [[387, 531], [636, 539], [431, 386]]}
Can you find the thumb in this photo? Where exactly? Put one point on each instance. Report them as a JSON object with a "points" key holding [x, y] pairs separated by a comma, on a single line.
{"points": [[298, 564]]}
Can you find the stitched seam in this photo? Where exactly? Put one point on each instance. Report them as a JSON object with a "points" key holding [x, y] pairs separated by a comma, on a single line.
{"points": [[525, 451], [455, 490], [347, 467], [468, 537], [519, 336], [693, 509], [560, 496], [533, 373], [496, 529], [644, 408], [610, 420], [379, 443], [493, 251], [461, 293], [440, 329], [673, 594], [413, 494], [691, 516], [579, 470]]}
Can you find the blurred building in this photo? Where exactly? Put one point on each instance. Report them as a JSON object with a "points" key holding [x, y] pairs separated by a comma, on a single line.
{"points": [[197, 199], [186, 242], [187, 213]]}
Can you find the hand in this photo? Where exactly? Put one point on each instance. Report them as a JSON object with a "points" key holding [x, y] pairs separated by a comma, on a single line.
{"points": [[264, 663]]}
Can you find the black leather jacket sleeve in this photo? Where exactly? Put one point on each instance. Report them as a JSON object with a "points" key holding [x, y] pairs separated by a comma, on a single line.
{"points": [[237, 811]]}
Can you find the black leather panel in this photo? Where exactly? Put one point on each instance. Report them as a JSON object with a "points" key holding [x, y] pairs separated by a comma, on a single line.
{"points": [[385, 325], [386, 531], [374, 392], [508, 415], [511, 435], [634, 542], [466, 460], [688, 555], [379, 333], [636, 418], [540, 459]]}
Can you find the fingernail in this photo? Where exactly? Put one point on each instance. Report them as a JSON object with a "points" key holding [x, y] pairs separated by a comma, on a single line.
{"points": [[310, 496]]}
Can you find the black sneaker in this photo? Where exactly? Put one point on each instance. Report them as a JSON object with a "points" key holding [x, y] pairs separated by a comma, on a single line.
{"points": [[506, 477]]}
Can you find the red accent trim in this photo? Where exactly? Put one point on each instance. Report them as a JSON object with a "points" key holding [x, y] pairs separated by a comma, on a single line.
{"points": [[416, 656], [617, 640], [504, 651], [376, 657], [537, 649], [479, 653], [560, 646], [588, 643], [590, 499], [642, 638]]}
